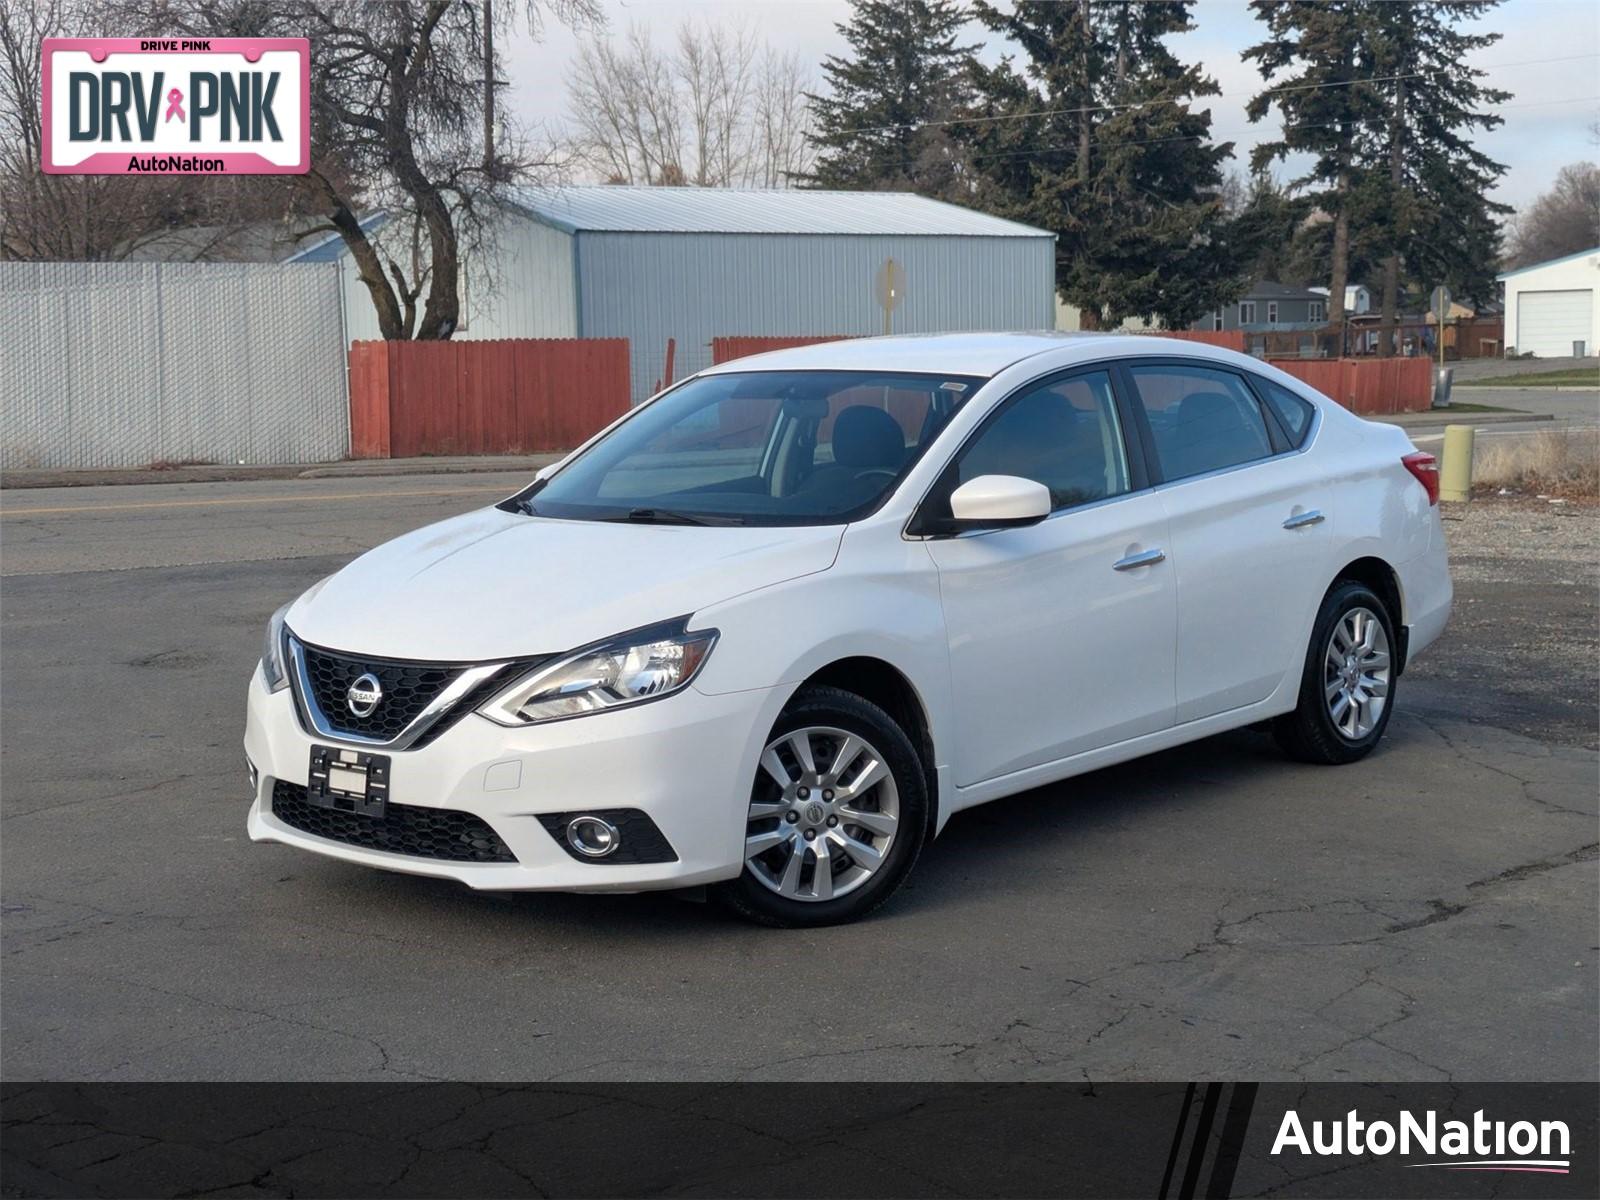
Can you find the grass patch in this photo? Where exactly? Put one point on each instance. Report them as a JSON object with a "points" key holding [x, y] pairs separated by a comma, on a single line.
{"points": [[1454, 407], [1563, 462], [1565, 377]]}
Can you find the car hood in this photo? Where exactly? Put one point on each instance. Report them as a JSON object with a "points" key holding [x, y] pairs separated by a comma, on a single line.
{"points": [[492, 584]]}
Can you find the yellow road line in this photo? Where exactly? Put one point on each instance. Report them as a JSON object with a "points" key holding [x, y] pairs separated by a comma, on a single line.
{"points": [[112, 508]]}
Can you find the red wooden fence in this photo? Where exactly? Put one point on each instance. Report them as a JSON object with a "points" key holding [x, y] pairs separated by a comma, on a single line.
{"points": [[726, 349], [519, 396], [1368, 385], [1363, 385], [1228, 339]]}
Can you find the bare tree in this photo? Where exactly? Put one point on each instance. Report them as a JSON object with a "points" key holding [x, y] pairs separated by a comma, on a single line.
{"points": [[1565, 220], [784, 151], [718, 110]]}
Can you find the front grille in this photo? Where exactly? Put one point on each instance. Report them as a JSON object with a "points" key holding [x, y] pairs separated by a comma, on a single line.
{"points": [[408, 688], [438, 833]]}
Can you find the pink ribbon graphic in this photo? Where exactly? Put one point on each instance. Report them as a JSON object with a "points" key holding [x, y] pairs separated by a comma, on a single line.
{"points": [[175, 105]]}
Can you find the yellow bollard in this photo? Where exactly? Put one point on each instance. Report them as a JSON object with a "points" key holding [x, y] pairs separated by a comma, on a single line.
{"points": [[1455, 472]]}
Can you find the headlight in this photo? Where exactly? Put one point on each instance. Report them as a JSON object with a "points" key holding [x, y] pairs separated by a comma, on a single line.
{"points": [[643, 665], [273, 669]]}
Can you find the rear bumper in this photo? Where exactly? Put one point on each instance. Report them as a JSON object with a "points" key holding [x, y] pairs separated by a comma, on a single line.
{"points": [[687, 761], [1426, 593]]}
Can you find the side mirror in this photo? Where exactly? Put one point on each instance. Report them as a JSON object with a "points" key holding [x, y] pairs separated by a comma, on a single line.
{"points": [[545, 472], [999, 502]]}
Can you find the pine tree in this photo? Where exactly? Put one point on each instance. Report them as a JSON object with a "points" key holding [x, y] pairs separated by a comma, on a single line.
{"points": [[1269, 220], [1326, 104], [1096, 139], [1438, 219], [881, 125]]}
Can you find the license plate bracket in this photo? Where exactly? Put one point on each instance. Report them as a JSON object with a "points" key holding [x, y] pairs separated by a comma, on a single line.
{"points": [[349, 781]]}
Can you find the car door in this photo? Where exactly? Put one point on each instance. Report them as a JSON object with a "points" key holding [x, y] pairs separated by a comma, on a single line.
{"points": [[1246, 531], [1061, 633]]}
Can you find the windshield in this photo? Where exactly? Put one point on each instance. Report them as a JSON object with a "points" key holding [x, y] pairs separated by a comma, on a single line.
{"points": [[757, 448]]}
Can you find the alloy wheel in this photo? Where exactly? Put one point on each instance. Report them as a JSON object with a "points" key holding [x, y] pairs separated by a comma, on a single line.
{"points": [[823, 814], [1355, 673]]}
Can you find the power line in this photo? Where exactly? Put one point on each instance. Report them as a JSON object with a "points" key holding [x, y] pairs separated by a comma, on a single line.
{"points": [[1096, 108], [1033, 151]]}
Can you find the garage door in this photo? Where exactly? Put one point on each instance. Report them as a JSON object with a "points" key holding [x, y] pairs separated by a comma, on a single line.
{"points": [[1549, 322]]}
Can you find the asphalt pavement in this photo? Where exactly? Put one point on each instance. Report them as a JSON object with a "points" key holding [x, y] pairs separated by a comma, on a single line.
{"points": [[1212, 912]]}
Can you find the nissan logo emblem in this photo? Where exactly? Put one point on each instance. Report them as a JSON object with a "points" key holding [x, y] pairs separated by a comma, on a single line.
{"points": [[364, 695]]}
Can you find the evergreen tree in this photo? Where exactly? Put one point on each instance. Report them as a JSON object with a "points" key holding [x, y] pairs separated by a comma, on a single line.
{"points": [[1437, 218], [1268, 221], [881, 125], [1325, 105], [1096, 139]]}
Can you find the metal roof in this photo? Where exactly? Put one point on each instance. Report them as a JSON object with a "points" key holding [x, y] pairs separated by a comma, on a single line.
{"points": [[1549, 262], [731, 210], [332, 247]]}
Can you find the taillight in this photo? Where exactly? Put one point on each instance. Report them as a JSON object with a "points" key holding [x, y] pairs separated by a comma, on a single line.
{"points": [[1424, 468]]}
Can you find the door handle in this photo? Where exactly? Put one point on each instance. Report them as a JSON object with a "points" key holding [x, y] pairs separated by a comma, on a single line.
{"points": [[1145, 558], [1301, 520]]}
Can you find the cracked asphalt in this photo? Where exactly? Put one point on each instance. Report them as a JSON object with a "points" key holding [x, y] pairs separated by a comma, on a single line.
{"points": [[1213, 912]]}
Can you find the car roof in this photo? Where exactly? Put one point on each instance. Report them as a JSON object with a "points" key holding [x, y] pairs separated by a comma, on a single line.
{"points": [[981, 354]]}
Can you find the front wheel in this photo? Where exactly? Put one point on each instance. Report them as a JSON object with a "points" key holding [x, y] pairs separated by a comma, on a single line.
{"points": [[1347, 690], [836, 817]]}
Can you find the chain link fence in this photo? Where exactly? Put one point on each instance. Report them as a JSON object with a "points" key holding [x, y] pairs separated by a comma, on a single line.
{"points": [[133, 364]]}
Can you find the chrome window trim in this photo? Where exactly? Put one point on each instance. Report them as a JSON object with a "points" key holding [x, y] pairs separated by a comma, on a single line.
{"points": [[1251, 379], [317, 722]]}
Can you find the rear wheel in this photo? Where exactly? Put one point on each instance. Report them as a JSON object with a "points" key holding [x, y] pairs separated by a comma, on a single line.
{"points": [[1347, 689], [836, 817]]}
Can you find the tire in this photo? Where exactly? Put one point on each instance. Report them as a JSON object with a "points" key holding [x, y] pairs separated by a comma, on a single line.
{"points": [[849, 740], [1321, 729]]}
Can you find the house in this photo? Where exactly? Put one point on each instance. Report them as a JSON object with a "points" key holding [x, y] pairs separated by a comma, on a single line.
{"points": [[1550, 306], [1357, 298], [1270, 306], [653, 264]]}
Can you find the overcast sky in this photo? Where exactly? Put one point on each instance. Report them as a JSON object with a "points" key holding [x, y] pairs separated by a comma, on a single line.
{"points": [[1549, 58]]}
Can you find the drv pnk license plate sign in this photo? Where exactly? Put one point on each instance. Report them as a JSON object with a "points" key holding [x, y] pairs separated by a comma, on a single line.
{"points": [[177, 106]]}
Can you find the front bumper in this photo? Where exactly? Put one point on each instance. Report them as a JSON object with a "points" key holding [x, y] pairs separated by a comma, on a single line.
{"points": [[687, 761]]}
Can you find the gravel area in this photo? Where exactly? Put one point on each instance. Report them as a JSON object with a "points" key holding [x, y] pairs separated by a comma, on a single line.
{"points": [[1511, 539], [1527, 577]]}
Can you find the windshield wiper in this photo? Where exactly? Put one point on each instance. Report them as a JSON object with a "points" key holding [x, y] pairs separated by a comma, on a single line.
{"points": [[665, 516]]}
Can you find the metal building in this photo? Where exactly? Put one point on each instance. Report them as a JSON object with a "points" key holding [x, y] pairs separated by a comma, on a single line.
{"points": [[691, 264]]}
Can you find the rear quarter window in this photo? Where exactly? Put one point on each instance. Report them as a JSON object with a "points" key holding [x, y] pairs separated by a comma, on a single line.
{"points": [[1293, 412]]}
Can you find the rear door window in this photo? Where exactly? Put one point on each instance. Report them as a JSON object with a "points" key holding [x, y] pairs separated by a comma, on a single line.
{"points": [[1200, 419]]}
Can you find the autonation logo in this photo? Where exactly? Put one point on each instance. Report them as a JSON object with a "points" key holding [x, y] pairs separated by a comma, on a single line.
{"points": [[1478, 1145]]}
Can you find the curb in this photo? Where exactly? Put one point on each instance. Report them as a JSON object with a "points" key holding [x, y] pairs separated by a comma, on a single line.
{"points": [[1446, 416], [356, 469]]}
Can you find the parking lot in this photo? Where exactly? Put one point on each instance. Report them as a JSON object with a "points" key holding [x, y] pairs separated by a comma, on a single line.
{"points": [[1213, 912]]}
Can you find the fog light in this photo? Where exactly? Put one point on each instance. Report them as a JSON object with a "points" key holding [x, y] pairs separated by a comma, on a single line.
{"points": [[592, 837], [255, 776]]}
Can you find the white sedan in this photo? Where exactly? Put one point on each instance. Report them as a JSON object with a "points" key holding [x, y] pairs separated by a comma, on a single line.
{"points": [[771, 629]]}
